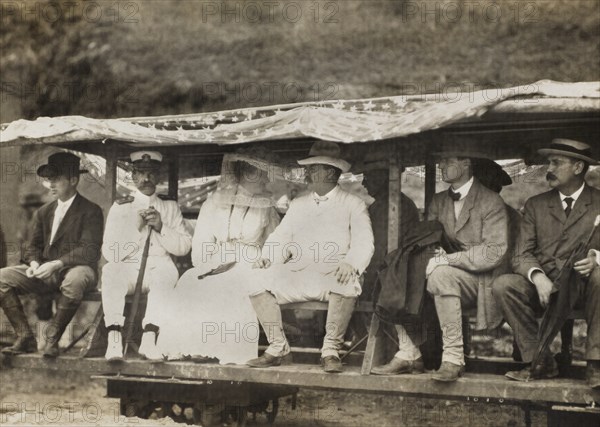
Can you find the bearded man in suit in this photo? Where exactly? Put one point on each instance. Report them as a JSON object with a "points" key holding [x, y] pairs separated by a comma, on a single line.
{"points": [[553, 225], [61, 255]]}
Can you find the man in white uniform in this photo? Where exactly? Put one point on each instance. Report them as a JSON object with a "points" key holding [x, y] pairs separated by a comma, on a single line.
{"points": [[317, 253], [129, 221]]}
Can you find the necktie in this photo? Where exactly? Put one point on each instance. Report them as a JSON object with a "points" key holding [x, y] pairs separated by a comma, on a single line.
{"points": [[59, 214], [454, 195], [569, 201]]}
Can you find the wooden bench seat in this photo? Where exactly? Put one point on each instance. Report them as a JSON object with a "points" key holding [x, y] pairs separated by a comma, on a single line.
{"points": [[373, 347]]}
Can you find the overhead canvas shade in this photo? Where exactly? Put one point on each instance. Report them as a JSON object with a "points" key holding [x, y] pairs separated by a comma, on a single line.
{"points": [[343, 121]]}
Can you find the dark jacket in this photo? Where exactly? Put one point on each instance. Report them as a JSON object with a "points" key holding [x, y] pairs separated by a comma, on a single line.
{"points": [[378, 211], [548, 236], [78, 239], [401, 282]]}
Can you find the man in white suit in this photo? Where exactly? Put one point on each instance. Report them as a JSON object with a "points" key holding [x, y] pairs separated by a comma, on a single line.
{"points": [[128, 223], [317, 253]]}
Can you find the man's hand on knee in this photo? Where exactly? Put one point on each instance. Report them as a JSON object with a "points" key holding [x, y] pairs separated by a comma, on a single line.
{"points": [[46, 270], [439, 258], [33, 266], [544, 287], [344, 273]]}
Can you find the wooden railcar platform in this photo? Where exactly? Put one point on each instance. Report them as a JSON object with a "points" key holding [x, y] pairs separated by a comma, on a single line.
{"points": [[473, 387]]}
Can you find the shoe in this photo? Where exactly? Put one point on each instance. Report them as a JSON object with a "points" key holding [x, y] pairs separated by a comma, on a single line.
{"points": [[448, 372], [67, 308], [24, 344], [266, 361], [331, 364], [592, 373], [399, 366], [114, 349], [544, 371], [149, 349]]}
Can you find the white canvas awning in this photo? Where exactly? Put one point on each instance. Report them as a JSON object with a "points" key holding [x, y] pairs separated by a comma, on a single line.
{"points": [[343, 121]]}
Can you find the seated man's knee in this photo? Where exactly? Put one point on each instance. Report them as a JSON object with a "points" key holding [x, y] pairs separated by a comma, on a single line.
{"points": [[77, 281], [507, 284], [502, 284], [440, 280]]}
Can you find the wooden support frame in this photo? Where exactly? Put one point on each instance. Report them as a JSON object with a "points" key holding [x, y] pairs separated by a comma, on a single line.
{"points": [[374, 353], [430, 178]]}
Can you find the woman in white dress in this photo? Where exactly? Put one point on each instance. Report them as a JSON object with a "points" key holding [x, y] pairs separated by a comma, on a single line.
{"points": [[211, 314]]}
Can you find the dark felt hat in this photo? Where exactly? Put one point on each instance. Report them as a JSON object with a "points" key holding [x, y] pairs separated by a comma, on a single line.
{"points": [[61, 164]]}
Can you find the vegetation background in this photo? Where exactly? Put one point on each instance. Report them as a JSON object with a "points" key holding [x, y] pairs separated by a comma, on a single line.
{"points": [[123, 58]]}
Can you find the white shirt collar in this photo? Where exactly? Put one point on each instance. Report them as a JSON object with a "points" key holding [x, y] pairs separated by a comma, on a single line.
{"points": [[66, 204], [464, 189], [573, 196], [143, 199], [326, 196]]}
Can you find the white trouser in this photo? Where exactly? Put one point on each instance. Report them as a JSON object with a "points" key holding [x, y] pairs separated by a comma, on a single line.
{"points": [[119, 279], [291, 286]]}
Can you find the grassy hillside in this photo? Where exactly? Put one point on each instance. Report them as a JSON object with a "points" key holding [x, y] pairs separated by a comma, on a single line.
{"points": [[158, 57]]}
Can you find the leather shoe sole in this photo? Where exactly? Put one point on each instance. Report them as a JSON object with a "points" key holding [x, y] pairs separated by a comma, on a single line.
{"points": [[331, 364], [51, 351], [448, 372], [267, 361], [400, 366], [21, 346]]}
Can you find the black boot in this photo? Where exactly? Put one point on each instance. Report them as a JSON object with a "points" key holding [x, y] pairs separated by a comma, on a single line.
{"points": [[65, 310], [25, 342]]}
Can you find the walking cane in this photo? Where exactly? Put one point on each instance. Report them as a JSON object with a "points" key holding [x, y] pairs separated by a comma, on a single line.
{"points": [[137, 295]]}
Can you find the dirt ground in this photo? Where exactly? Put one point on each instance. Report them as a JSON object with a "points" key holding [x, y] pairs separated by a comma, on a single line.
{"points": [[46, 399], [50, 399]]}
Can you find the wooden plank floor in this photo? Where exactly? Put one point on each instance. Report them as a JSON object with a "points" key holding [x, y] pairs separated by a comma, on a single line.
{"points": [[472, 387]]}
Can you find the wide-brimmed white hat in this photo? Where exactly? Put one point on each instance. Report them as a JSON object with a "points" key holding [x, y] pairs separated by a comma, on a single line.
{"points": [[325, 153], [570, 148]]}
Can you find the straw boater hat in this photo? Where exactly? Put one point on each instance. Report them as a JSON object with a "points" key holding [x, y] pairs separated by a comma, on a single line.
{"points": [[61, 164], [146, 160], [325, 153], [570, 148]]}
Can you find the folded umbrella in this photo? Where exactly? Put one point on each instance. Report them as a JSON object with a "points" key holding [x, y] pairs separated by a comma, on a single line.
{"points": [[569, 285]]}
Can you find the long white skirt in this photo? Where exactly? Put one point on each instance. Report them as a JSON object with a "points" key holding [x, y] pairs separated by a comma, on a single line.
{"points": [[211, 317]]}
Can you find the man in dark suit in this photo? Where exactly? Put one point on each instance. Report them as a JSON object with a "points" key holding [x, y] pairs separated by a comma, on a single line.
{"points": [[553, 225], [62, 254]]}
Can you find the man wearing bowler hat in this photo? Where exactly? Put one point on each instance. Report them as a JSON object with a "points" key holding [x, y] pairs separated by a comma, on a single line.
{"points": [[317, 253], [128, 223], [554, 223], [62, 254]]}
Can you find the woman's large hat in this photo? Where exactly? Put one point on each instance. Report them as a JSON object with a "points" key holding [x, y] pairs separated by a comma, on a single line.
{"points": [[325, 153], [570, 148], [61, 164]]}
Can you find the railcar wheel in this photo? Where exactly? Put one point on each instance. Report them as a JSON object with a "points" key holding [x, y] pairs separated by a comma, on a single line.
{"points": [[241, 416], [134, 408], [272, 414]]}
